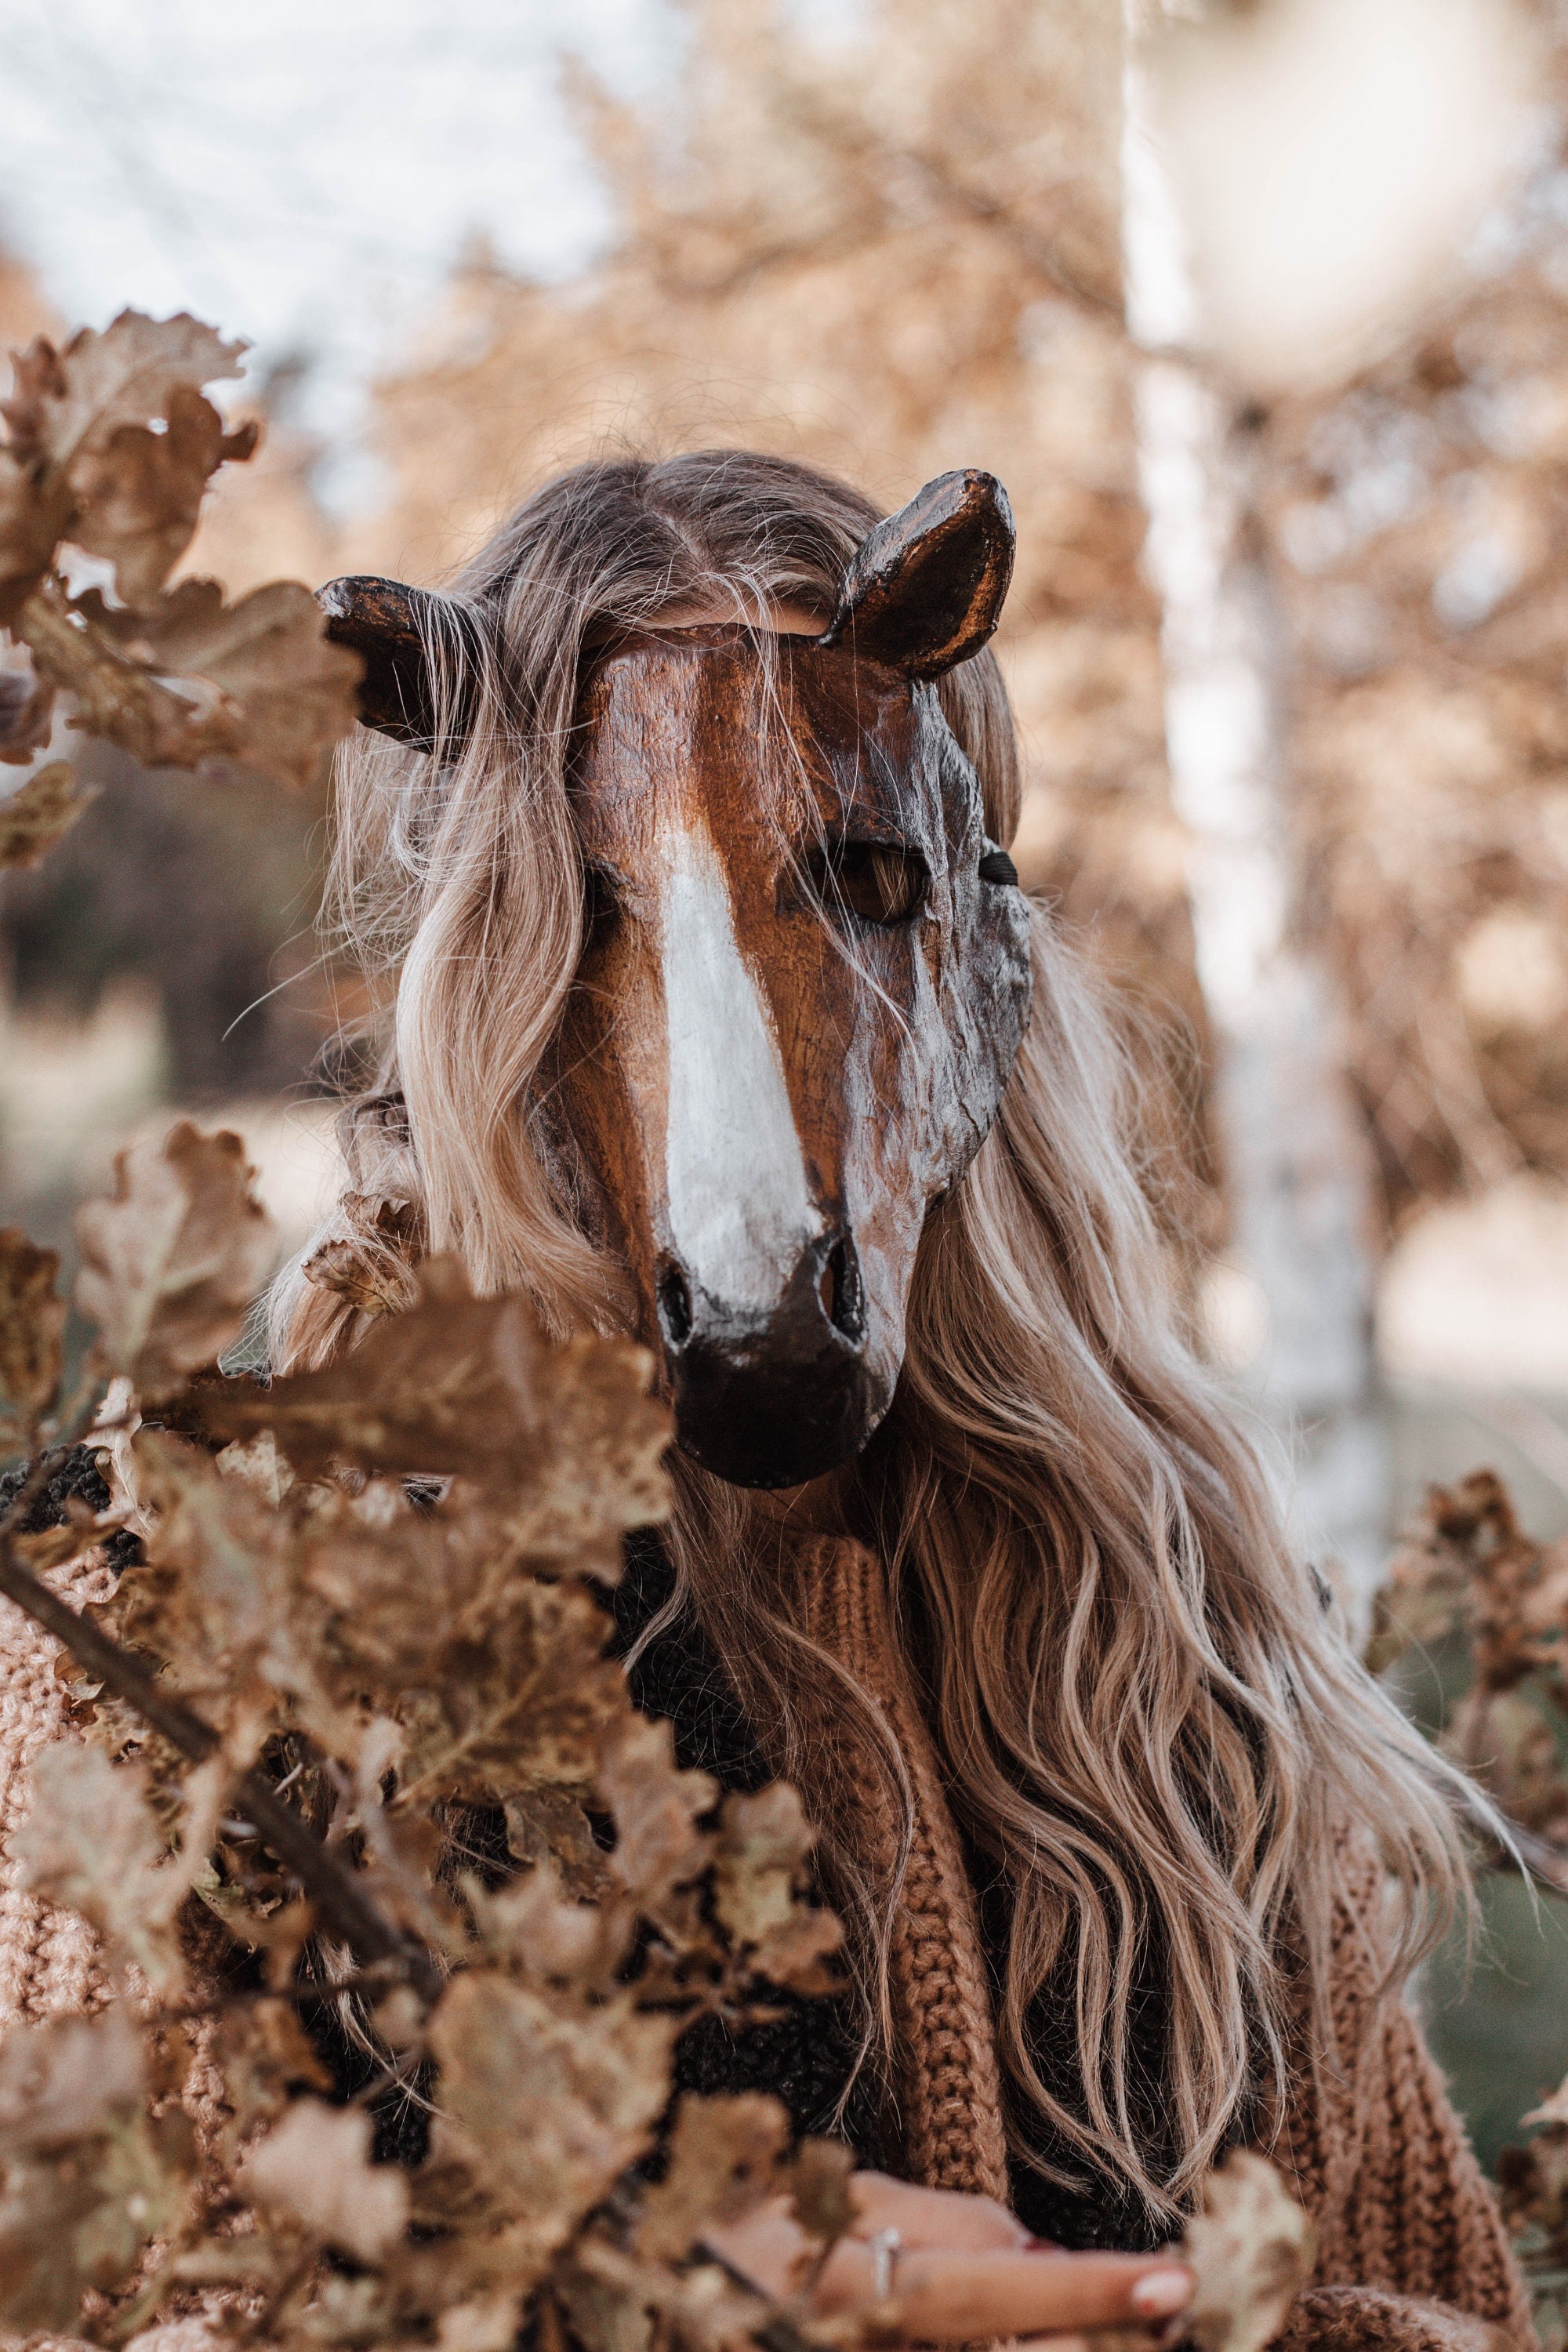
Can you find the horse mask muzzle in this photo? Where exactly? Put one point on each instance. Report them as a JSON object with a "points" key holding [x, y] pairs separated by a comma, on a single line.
{"points": [[804, 978]]}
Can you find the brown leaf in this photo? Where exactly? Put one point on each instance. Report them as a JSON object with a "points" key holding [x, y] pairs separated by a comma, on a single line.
{"points": [[723, 2153], [27, 714], [1552, 2110], [66, 2080], [656, 1809], [33, 519], [548, 2108], [83, 2217], [64, 401], [193, 681], [67, 413], [93, 1843], [315, 2166], [1251, 2250], [37, 815], [763, 1844], [372, 1266], [31, 1321], [171, 1263], [139, 494], [213, 1591], [817, 2179]]}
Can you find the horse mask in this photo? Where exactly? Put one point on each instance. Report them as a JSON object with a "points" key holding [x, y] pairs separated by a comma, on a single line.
{"points": [[805, 978]]}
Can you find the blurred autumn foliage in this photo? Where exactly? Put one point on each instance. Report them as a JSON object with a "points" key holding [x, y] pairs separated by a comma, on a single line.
{"points": [[892, 256]]}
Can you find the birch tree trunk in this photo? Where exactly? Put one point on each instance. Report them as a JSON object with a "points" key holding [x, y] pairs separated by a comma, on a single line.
{"points": [[1296, 1161]]}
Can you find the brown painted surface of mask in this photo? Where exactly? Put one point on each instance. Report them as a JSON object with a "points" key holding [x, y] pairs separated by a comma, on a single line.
{"points": [[804, 980]]}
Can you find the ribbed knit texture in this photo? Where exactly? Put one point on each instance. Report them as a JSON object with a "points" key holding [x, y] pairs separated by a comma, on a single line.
{"points": [[950, 2091], [1411, 2254]]}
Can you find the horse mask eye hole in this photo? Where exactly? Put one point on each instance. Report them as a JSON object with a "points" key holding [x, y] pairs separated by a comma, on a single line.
{"points": [[874, 881]]}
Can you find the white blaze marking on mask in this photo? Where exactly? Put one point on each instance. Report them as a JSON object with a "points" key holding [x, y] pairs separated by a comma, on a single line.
{"points": [[739, 1208]]}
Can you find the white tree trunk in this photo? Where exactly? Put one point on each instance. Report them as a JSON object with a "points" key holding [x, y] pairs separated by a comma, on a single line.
{"points": [[1296, 1160]]}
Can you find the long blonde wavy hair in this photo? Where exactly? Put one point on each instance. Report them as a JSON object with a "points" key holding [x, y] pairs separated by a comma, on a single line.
{"points": [[1152, 1736]]}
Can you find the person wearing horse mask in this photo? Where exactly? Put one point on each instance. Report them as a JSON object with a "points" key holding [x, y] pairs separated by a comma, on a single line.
{"points": [[675, 848]]}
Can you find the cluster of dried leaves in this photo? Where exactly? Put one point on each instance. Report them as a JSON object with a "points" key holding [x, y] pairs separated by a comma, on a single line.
{"points": [[1465, 1567], [1465, 1573], [347, 1741], [109, 450], [374, 1586]]}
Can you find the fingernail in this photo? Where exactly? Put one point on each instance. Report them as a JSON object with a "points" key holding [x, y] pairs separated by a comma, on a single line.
{"points": [[1159, 2294]]}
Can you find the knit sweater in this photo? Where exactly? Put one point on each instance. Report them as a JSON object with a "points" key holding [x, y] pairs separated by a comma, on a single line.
{"points": [[1412, 2255]]}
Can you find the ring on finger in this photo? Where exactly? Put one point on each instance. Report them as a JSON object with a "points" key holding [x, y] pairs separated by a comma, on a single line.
{"points": [[886, 2246]]}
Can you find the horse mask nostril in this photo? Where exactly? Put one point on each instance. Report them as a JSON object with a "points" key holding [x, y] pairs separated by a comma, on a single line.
{"points": [[674, 1307], [840, 1291]]}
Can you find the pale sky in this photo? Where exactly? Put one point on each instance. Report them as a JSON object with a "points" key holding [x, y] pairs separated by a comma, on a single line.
{"points": [[307, 173]]}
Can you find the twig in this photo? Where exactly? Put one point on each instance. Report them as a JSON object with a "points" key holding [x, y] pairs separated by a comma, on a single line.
{"points": [[336, 1891]]}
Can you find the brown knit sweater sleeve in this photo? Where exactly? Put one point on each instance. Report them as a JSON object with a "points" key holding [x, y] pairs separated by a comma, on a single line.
{"points": [[1412, 2253]]}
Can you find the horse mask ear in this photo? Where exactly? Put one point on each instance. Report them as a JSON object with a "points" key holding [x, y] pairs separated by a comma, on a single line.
{"points": [[391, 628], [925, 589]]}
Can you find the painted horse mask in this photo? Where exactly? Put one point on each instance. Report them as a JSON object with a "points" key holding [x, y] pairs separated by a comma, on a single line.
{"points": [[804, 978]]}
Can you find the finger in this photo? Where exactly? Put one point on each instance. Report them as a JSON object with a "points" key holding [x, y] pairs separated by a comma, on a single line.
{"points": [[934, 2217], [951, 2297]]}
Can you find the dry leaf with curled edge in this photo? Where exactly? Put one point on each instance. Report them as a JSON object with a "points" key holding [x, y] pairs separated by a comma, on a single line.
{"points": [[80, 462], [63, 403], [656, 1808], [764, 1844], [470, 1386], [314, 2166], [40, 813], [81, 2217], [192, 680], [1251, 2250], [66, 2079], [27, 714], [173, 1260], [93, 1843], [722, 2157], [139, 494], [545, 2106], [32, 1320]]}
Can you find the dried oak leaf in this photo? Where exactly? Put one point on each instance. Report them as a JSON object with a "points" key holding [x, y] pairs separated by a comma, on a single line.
{"points": [[173, 1260], [314, 2166], [656, 1809], [817, 2179], [69, 2079], [546, 2107], [40, 813], [763, 1846], [1250, 2250], [192, 680], [723, 2157], [27, 714], [372, 1266], [466, 1386], [213, 1592], [138, 495], [92, 1842], [63, 402], [31, 1321], [81, 2217], [73, 416], [530, 1707]]}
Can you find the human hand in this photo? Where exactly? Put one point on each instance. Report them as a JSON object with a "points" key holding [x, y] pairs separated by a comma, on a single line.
{"points": [[964, 2270]]}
